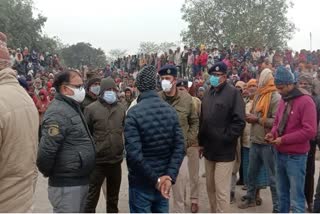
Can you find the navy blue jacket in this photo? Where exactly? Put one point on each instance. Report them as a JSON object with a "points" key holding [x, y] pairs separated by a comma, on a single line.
{"points": [[154, 141]]}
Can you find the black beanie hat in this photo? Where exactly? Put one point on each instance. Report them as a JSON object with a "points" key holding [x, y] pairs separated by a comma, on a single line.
{"points": [[146, 79]]}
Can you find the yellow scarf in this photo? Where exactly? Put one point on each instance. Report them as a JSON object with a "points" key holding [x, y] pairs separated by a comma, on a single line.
{"points": [[263, 99]]}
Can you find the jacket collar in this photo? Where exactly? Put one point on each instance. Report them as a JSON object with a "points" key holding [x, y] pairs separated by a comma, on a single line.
{"points": [[147, 94], [88, 96], [7, 75], [219, 88], [104, 103], [68, 100], [294, 94]]}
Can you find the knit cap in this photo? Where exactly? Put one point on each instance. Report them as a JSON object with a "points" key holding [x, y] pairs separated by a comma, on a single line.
{"points": [[146, 79], [106, 84], [283, 76], [93, 79]]}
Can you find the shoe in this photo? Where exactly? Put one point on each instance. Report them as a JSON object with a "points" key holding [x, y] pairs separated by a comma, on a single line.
{"points": [[243, 198], [194, 208], [258, 201], [246, 204], [232, 198]]}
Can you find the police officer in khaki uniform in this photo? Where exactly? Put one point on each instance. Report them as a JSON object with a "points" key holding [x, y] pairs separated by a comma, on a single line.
{"points": [[192, 152], [189, 122]]}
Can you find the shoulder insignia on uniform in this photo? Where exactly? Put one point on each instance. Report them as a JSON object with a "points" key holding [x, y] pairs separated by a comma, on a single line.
{"points": [[53, 130]]}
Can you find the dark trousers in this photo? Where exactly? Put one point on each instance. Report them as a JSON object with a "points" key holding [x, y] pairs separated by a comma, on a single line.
{"points": [[309, 180], [241, 173], [112, 173], [183, 69]]}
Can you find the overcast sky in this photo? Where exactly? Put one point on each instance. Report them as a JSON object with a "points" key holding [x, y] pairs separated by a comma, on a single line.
{"points": [[123, 24]]}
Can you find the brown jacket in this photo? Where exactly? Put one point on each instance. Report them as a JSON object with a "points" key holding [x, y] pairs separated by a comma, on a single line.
{"points": [[188, 116], [19, 124], [106, 123]]}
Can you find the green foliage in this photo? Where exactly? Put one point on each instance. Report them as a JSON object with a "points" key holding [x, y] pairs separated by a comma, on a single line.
{"points": [[23, 29], [83, 54], [20, 26], [250, 23]]}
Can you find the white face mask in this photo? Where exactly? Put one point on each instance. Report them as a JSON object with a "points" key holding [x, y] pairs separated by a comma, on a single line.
{"points": [[79, 94], [95, 89], [166, 85]]}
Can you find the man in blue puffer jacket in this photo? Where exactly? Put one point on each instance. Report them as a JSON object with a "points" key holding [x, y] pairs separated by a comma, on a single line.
{"points": [[155, 147]]}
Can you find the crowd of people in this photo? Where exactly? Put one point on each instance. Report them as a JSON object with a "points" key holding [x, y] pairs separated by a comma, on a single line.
{"points": [[245, 111], [191, 62]]}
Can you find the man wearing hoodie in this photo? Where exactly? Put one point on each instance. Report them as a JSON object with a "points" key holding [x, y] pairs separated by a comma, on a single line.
{"points": [[294, 126], [105, 119], [92, 90], [19, 125], [128, 98]]}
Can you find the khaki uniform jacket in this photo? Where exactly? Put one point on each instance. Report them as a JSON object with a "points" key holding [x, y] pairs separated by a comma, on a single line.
{"points": [[188, 116], [19, 124], [106, 123]]}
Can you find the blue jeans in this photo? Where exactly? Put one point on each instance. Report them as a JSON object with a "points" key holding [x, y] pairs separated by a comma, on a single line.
{"points": [[147, 200], [291, 172], [261, 154]]}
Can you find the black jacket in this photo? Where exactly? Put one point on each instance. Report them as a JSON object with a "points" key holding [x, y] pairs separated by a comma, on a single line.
{"points": [[66, 151], [222, 121], [154, 141]]}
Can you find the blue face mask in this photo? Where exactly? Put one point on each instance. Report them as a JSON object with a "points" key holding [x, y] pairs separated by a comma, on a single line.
{"points": [[214, 81], [95, 89], [110, 97]]}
